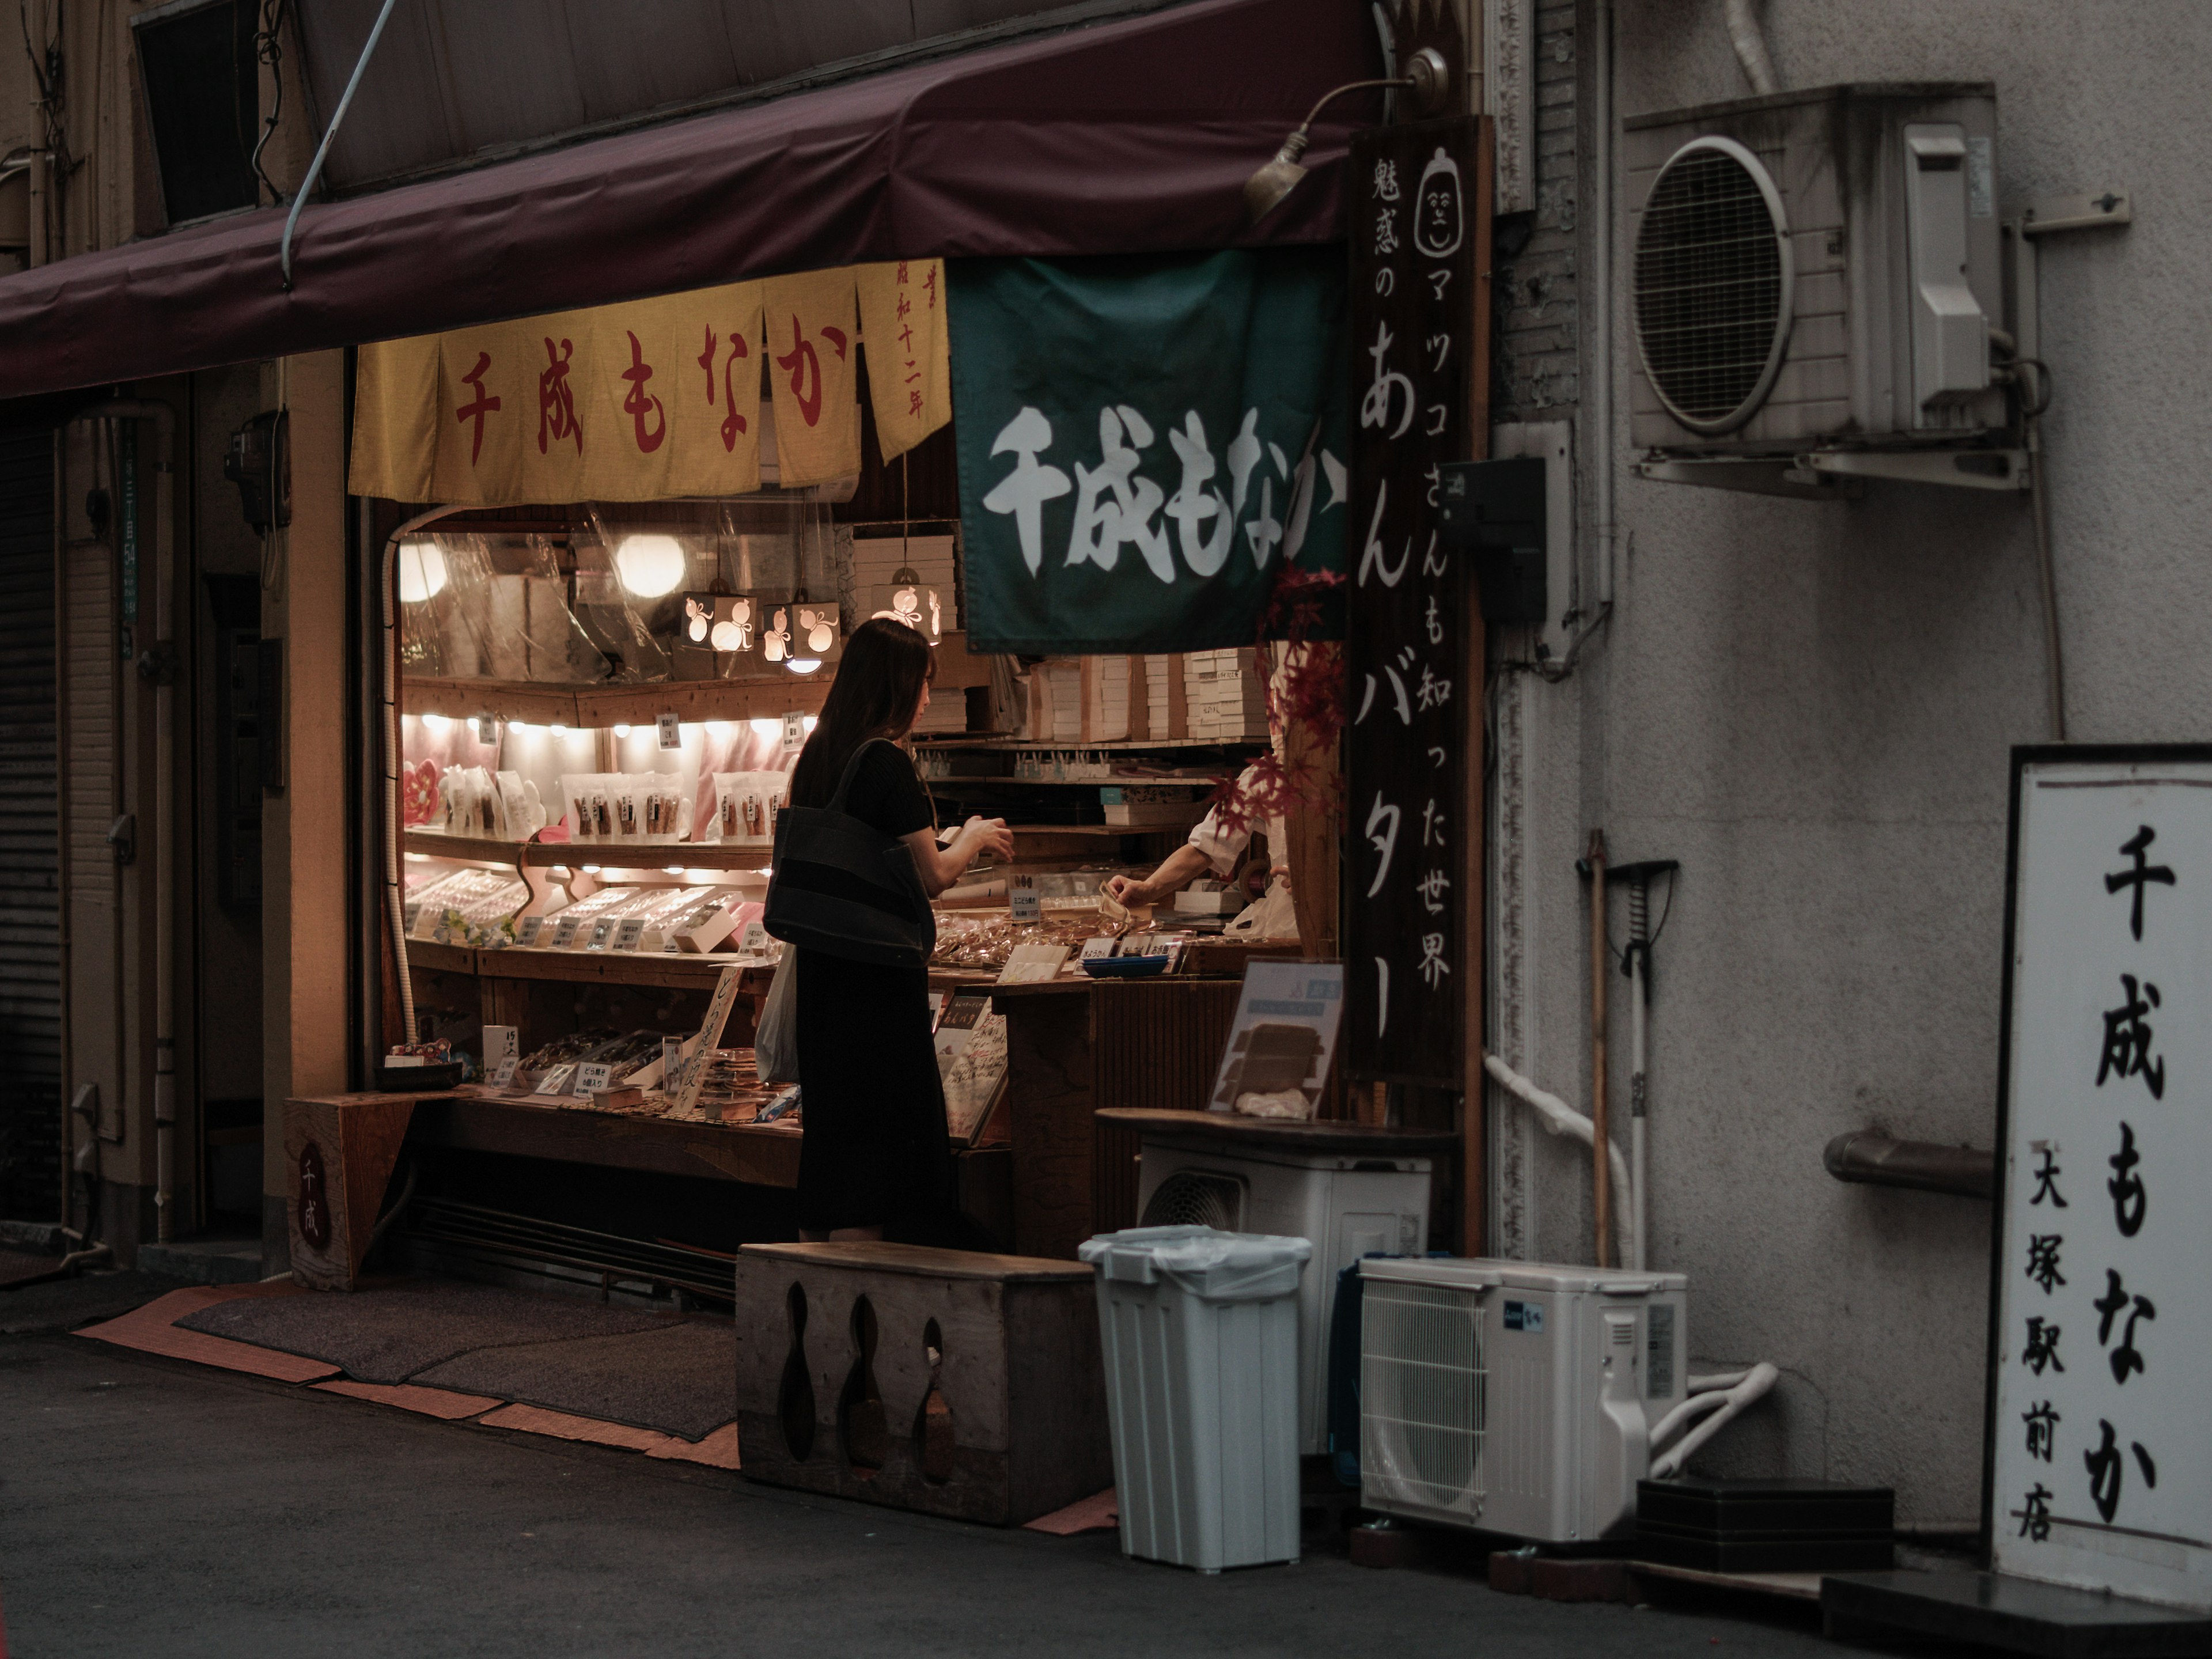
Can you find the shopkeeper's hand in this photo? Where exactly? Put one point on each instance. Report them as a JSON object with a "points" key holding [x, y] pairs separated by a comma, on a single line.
{"points": [[989, 836], [1129, 891]]}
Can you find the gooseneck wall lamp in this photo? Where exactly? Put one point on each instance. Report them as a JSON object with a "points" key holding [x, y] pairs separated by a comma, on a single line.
{"points": [[1427, 77]]}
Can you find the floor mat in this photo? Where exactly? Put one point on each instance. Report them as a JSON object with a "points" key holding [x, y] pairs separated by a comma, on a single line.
{"points": [[680, 1379], [719, 1450], [442, 1403], [1098, 1513], [390, 1335], [155, 1328], [20, 1267], [60, 1303], [528, 1419]]}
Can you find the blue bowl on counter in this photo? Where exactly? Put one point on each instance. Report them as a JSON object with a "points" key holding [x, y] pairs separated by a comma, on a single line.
{"points": [[1125, 966]]}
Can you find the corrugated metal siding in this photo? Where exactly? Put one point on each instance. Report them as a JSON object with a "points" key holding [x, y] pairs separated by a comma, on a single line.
{"points": [[30, 888]]}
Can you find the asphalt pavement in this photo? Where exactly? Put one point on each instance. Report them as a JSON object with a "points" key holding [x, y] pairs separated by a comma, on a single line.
{"points": [[151, 1507]]}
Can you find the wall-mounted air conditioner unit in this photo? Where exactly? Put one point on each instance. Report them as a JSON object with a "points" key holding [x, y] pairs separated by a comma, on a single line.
{"points": [[1514, 1396], [1349, 1206], [1817, 271]]}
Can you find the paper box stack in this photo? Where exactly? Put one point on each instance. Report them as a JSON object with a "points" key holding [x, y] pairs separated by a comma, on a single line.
{"points": [[1228, 693]]}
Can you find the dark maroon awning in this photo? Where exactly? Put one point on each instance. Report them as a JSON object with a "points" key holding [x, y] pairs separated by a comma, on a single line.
{"points": [[1129, 137]]}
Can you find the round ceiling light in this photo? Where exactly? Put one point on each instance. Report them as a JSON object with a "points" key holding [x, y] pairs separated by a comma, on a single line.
{"points": [[650, 566]]}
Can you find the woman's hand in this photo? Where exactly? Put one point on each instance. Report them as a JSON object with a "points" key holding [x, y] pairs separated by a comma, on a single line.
{"points": [[984, 835]]}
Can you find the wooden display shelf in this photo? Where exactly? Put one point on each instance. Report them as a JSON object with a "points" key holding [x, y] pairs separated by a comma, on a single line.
{"points": [[658, 969], [552, 854], [1071, 745], [592, 707], [760, 1154], [469, 849]]}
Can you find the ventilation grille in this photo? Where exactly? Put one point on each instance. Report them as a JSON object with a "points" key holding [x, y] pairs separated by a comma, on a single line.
{"points": [[1421, 1403], [1713, 287], [1191, 1198]]}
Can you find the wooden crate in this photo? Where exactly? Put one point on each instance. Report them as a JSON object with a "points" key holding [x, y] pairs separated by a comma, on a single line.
{"points": [[339, 1151], [834, 1377]]}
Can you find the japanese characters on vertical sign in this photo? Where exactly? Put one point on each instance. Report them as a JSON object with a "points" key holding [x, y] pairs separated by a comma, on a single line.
{"points": [[2101, 1326], [1412, 194]]}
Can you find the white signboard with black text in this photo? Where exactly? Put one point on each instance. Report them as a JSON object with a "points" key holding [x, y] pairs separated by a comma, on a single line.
{"points": [[2100, 1453]]}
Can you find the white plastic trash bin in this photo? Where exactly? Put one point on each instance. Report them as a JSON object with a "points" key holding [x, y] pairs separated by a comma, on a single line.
{"points": [[1200, 1334]]}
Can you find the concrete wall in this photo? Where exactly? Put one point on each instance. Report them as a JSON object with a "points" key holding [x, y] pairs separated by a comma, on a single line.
{"points": [[1811, 707]]}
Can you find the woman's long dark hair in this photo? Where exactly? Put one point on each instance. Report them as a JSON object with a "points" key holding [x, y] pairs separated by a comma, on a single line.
{"points": [[879, 684]]}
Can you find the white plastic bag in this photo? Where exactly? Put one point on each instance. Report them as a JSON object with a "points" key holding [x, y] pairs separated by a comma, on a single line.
{"points": [[775, 1039]]}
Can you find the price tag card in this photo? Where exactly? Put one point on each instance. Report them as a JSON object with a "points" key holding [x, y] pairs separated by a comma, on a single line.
{"points": [[686, 1094], [555, 1082], [527, 928], [630, 933], [502, 1051], [487, 729], [602, 931], [672, 1063], [670, 731], [1093, 948], [756, 941], [594, 1076], [564, 932], [794, 732], [1022, 899]]}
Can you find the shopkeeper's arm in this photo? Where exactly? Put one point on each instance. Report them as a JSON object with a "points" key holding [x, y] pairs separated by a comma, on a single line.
{"points": [[1176, 872], [941, 867]]}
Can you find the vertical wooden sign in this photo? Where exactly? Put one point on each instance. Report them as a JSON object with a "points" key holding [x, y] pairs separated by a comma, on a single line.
{"points": [[1416, 200]]}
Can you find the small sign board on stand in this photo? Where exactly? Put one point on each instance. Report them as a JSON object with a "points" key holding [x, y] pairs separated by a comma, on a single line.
{"points": [[2099, 1460], [1282, 1041]]}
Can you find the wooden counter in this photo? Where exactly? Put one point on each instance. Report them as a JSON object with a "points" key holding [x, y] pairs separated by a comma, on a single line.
{"points": [[1076, 1045]]}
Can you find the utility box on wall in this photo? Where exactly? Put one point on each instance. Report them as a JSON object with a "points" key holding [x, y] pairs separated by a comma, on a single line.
{"points": [[1495, 515]]}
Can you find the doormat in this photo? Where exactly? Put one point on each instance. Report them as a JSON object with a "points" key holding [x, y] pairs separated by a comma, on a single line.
{"points": [[441, 1403], [680, 1379], [23, 1267], [392, 1334], [157, 1328], [1100, 1513]]}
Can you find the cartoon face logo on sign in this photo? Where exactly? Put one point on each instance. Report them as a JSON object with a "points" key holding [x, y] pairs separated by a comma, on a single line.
{"points": [[314, 1202], [1439, 221]]}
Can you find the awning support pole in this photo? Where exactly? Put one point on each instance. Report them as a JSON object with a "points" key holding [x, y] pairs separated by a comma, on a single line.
{"points": [[330, 134]]}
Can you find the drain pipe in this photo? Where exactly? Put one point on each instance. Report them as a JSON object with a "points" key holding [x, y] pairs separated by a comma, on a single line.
{"points": [[158, 665], [1750, 43], [395, 895]]}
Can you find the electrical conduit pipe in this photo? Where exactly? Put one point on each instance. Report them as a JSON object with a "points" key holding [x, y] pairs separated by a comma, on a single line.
{"points": [[163, 674], [395, 895], [1560, 1119]]}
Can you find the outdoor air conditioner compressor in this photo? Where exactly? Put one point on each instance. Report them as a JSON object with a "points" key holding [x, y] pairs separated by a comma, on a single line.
{"points": [[1816, 268], [1514, 1396], [1350, 1206]]}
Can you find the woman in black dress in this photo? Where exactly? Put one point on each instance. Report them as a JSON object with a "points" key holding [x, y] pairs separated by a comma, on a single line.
{"points": [[876, 1153]]}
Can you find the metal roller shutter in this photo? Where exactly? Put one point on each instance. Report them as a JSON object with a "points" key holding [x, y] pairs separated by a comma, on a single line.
{"points": [[30, 915]]}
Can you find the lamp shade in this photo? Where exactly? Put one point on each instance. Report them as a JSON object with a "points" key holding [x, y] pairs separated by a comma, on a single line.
{"points": [[421, 571], [649, 565]]}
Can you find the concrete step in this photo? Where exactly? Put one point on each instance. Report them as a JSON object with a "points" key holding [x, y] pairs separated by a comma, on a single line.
{"points": [[204, 1260]]}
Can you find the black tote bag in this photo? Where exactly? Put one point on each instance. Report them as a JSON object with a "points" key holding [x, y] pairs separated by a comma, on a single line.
{"points": [[845, 888]]}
